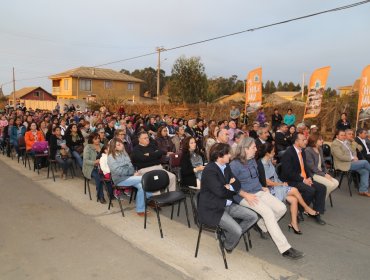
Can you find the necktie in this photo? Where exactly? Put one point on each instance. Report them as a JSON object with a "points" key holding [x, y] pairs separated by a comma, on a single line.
{"points": [[303, 172]]}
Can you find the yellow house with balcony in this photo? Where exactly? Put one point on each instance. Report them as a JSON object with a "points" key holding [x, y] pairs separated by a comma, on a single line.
{"points": [[90, 83]]}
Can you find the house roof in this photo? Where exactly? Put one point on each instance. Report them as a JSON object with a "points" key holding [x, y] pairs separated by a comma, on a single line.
{"points": [[287, 93], [96, 73], [22, 92], [236, 97]]}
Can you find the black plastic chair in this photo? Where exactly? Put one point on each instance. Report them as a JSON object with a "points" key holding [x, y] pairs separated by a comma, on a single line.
{"points": [[219, 233], [158, 180], [87, 186]]}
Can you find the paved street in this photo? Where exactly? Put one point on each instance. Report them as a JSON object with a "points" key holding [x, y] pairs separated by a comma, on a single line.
{"points": [[42, 237], [45, 237]]}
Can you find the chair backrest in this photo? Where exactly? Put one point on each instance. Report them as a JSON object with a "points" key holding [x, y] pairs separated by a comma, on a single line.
{"points": [[175, 160], [278, 169], [155, 180], [326, 150], [21, 142]]}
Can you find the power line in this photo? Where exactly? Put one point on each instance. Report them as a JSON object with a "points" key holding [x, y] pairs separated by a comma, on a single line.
{"points": [[227, 35], [244, 31]]}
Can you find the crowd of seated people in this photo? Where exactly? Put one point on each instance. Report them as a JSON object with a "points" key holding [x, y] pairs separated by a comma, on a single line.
{"points": [[239, 181]]}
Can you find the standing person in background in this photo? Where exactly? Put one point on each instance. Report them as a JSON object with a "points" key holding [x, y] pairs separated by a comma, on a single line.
{"points": [[343, 123], [261, 117], [234, 114], [232, 131], [289, 118], [276, 119]]}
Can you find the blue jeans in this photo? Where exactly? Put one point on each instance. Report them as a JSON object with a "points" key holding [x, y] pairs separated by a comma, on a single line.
{"points": [[78, 158], [233, 230], [363, 168], [98, 183], [135, 181]]}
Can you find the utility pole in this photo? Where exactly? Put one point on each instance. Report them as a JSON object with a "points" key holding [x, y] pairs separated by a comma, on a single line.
{"points": [[14, 101], [159, 50], [303, 85]]}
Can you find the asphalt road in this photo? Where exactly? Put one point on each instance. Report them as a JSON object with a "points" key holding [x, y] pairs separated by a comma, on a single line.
{"points": [[42, 237]]}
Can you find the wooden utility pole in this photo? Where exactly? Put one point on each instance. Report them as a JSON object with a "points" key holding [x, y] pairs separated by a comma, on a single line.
{"points": [[14, 101], [159, 49], [303, 86]]}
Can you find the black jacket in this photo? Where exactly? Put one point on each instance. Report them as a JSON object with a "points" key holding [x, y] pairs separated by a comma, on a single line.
{"points": [[363, 153], [187, 171], [140, 160], [213, 194], [291, 168], [281, 141]]}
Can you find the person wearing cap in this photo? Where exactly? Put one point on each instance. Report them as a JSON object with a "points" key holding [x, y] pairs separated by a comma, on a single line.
{"points": [[313, 129]]}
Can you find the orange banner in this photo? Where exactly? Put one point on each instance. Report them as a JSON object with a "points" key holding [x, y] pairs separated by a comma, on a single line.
{"points": [[364, 95], [316, 91], [253, 94]]}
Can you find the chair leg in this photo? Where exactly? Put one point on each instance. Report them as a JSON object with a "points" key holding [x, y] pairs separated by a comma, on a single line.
{"points": [[146, 202], [159, 220], [249, 239], [88, 188], [245, 242], [178, 209], [193, 208], [120, 206], [341, 179], [331, 201], [172, 206], [186, 211], [349, 178], [198, 241], [221, 244]]}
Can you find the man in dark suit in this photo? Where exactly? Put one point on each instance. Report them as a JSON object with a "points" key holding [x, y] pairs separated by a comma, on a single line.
{"points": [[276, 119], [281, 140], [362, 140], [295, 172], [215, 205]]}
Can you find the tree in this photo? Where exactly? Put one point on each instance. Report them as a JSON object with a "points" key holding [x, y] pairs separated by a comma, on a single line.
{"points": [[188, 82], [124, 71], [291, 87], [280, 86], [272, 87], [149, 75]]}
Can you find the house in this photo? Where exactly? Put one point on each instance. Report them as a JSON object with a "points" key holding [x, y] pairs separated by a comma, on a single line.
{"points": [[288, 95], [347, 90], [31, 93], [90, 82], [236, 97]]}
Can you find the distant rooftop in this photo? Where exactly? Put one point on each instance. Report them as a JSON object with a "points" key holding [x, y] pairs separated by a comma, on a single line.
{"points": [[96, 73]]}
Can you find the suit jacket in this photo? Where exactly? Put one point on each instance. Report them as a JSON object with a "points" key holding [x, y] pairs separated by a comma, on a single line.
{"points": [[291, 168], [281, 141], [363, 152], [341, 155], [213, 194], [313, 161]]}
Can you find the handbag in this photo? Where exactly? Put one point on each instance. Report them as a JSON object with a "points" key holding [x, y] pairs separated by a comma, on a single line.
{"points": [[79, 149], [40, 147]]}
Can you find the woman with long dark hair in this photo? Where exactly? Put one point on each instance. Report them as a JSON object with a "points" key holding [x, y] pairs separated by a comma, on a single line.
{"points": [[191, 163], [75, 141], [279, 189]]}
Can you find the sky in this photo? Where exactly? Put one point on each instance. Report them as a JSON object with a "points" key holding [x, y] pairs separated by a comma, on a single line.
{"points": [[42, 37]]}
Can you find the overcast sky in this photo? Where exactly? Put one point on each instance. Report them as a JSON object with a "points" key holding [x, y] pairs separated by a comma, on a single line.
{"points": [[45, 37]]}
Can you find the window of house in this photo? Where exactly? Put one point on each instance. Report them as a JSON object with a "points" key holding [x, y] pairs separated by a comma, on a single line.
{"points": [[108, 84], [66, 84], [36, 94], [130, 86], [85, 85]]}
